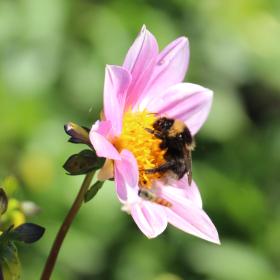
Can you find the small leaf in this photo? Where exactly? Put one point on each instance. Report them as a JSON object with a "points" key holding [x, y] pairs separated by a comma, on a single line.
{"points": [[27, 233], [10, 262], [79, 134], [5, 238], [82, 163], [3, 201], [91, 193]]}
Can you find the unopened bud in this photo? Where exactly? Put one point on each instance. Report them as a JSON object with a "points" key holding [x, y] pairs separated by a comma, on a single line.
{"points": [[83, 163], [78, 134]]}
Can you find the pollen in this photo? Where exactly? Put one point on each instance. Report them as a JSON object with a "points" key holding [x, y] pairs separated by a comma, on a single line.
{"points": [[142, 144]]}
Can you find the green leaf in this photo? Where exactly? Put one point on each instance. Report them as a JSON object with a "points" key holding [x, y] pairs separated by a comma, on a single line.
{"points": [[5, 238], [91, 193], [3, 201], [10, 262], [27, 233], [82, 163]]}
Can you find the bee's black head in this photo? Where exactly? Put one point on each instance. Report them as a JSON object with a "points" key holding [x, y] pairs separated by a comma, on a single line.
{"points": [[163, 124], [185, 136]]}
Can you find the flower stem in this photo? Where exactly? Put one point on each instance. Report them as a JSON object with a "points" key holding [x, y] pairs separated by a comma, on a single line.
{"points": [[49, 266]]}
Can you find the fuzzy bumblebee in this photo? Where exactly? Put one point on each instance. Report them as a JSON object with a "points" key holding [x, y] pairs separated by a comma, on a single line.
{"points": [[178, 144]]}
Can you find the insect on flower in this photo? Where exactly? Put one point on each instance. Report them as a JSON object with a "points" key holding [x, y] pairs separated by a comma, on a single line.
{"points": [[146, 194], [146, 134], [178, 142]]}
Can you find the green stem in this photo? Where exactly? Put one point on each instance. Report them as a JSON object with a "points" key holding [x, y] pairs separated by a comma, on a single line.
{"points": [[49, 266]]}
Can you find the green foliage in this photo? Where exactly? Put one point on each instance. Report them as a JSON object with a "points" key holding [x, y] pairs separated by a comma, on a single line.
{"points": [[10, 262], [83, 163], [232, 261], [10, 268], [93, 190], [27, 233]]}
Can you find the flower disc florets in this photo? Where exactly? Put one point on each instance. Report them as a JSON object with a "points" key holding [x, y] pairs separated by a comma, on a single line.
{"points": [[142, 144]]}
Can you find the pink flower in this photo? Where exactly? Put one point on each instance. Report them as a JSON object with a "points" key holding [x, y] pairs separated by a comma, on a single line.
{"points": [[149, 85]]}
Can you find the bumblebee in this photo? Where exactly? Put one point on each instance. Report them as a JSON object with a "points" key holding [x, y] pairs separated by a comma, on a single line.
{"points": [[178, 143], [149, 195]]}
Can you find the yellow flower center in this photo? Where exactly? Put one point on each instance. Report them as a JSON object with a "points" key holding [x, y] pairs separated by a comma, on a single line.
{"points": [[143, 145]]}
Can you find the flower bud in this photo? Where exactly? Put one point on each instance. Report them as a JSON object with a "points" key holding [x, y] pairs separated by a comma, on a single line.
{"points": [[79, 134], [83, 163]]}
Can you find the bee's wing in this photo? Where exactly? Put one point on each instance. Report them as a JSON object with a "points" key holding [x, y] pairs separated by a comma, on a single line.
{"points": [[188, 160]]}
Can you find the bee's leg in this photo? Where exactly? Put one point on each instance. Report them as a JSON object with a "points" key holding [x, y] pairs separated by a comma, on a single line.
{"points": [[149, 130], [156, 134], [161, 168], [163, 144]]}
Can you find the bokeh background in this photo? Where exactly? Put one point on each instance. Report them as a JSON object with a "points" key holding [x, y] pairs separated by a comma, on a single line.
{"points": [[52, 59]]}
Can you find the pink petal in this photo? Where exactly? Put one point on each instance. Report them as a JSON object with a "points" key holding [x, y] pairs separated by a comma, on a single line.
{"points": [[117, 80], [149, 217], [126, 177], [186, 216], [99, 135], [140, 61], [104, 128], [191, 192], [170, 68], [188, 102]]}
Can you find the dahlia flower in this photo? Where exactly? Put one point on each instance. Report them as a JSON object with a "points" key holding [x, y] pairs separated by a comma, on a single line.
{"points": [[147, 86]]}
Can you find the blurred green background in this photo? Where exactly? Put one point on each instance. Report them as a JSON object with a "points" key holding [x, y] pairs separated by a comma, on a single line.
{"points": [[52, 59]]}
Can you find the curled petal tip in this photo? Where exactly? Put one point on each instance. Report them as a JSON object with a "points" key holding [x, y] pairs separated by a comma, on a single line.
{"points": [[209, 92], [183, 39], [216, 241], [144, 28]]}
